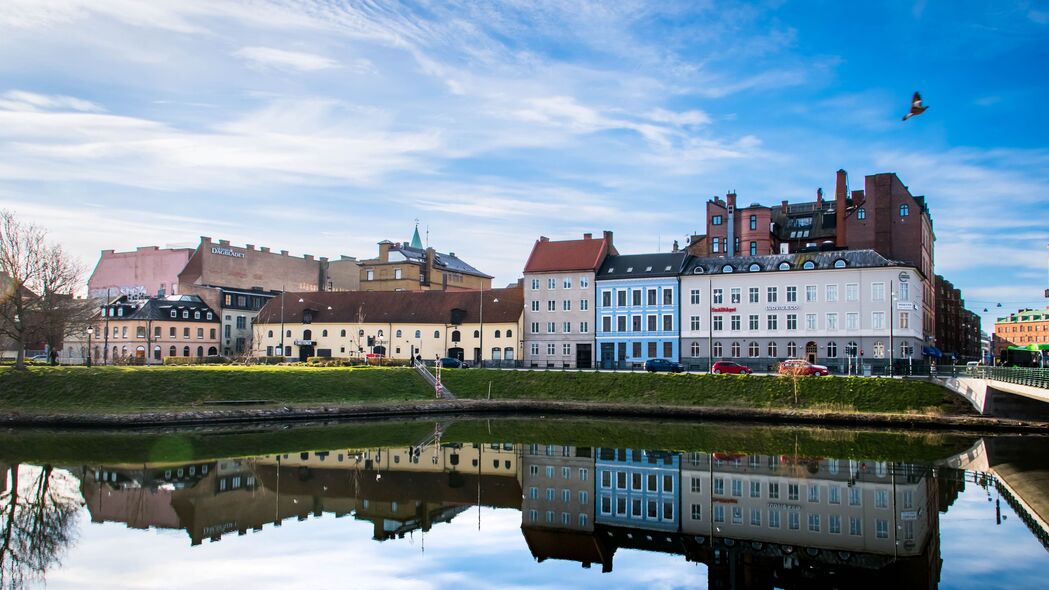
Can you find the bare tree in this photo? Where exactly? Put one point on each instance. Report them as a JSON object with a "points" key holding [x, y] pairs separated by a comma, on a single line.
{"points": [[37, 281], [37, 524]]}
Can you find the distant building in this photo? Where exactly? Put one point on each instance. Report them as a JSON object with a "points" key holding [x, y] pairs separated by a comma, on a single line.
{"points": [[396, 325], [148, 271], [412, 267], [638, 488], [146, 331], [559, 300], [1024, 327], [558, 486], [957, 328]]}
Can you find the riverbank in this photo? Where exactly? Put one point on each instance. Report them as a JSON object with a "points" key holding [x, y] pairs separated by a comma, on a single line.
{"points": [[113, 397]]}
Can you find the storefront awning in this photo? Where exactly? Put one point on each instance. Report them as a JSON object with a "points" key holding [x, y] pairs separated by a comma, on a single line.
{"points": [[932, 351]]}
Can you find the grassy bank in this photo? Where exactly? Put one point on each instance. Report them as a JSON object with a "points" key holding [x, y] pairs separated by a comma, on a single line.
{"points": [[854, 394], [137, 389]]}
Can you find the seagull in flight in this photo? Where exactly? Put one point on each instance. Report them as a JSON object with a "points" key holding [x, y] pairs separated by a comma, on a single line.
{"points": [[917, 107]]}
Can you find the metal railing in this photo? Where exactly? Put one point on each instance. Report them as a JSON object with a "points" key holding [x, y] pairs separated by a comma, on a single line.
{"points": [[1019, 376]]}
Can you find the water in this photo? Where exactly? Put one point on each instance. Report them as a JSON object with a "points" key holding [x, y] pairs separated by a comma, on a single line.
{"points": [[523, 504]]}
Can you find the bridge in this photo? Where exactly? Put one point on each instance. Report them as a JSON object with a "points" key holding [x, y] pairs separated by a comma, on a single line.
{"points": [[1004, 392]]}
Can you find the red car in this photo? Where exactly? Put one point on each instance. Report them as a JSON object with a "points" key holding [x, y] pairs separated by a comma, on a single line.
{"points": [[730, 368], [802, 367]]}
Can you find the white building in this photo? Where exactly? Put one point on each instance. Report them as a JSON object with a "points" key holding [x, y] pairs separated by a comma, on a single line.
{"points": [[835, 308]]}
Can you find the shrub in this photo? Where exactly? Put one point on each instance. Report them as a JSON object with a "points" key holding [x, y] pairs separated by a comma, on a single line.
{"points": [[195, 360]]}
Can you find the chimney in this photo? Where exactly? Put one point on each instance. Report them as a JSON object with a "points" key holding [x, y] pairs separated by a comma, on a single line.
{"points": [[841, 191], [783, 207], [307, 256], [731, 198], [730, 241], [264, 249], [223, 242], [676, 247], [588, 236], [544, 239], [384, 250], [819, 199], [205, 239], [608, 239], [324, 259], [283, 252], [249, 246]]}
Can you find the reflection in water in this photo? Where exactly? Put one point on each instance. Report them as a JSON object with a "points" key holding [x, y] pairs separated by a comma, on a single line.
{"points": [[755, 521]]}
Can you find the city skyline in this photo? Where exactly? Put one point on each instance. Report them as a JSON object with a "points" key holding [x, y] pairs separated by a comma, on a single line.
{"points": [[324, 128]]}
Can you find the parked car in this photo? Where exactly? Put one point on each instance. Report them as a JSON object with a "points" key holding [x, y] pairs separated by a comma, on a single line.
{"points": [[802, 367], [730, 368], [653, 365], [454, 363], [40, 358]]}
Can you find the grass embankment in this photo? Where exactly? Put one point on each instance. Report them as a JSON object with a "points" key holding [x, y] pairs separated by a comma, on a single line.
{"points": [[143, 389], [839, 394]]}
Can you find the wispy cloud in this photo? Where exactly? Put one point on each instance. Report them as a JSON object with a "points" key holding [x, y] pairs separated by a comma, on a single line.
{"points": [[281, 58]]}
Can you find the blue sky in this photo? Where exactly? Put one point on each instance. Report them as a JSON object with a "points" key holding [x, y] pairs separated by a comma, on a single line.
{"points": [[322, 127]]}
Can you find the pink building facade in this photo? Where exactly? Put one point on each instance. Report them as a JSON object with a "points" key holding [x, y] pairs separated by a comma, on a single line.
{"points": [[148, 271]]}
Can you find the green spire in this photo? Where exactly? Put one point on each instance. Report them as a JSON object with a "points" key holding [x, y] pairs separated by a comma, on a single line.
{"points": [[416, 240]]}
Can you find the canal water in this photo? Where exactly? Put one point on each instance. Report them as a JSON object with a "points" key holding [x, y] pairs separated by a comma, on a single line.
{"points": [[534, 503]]}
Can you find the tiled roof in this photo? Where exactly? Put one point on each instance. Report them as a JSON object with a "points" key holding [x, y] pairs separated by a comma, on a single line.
{"points": [[549, 256], [643, 266], [797, 261], [441, 260], [422, 307], [160, 308]]}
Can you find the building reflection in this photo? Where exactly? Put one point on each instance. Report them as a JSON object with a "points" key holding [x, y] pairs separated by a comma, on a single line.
{"points": [[755, 521]]}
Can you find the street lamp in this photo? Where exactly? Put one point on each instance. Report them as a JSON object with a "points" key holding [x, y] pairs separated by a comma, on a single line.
{"points": [[90, 331], [892, 305], [481, 319]]}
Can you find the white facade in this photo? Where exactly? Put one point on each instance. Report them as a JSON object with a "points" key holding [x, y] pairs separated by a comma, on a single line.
{"points": [[823, 314]]}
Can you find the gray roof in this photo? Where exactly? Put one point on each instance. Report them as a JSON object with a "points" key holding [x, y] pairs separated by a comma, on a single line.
{"points": [[642, 266], [160, 308], [440, 260], [797, 261]]}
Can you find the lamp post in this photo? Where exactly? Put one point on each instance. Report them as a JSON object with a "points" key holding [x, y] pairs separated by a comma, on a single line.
{"points": [[892, 304], [90, 331], [282, 321]]}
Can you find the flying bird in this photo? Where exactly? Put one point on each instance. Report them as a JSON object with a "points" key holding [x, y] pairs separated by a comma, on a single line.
{"points": [[917, 107]]}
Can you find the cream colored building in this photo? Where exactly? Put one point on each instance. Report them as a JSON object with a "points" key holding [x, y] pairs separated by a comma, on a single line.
{"points": [[469, 325]]}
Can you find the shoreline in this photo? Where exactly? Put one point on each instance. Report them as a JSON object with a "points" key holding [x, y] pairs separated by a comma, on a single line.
{"points": [[510, 408]]}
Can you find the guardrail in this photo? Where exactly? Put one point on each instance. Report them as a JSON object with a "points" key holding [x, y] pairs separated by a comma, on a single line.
{"points": [[1018, 375]]}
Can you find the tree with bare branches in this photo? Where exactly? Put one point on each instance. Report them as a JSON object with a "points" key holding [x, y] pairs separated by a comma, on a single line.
{"points": [[37, 282]]}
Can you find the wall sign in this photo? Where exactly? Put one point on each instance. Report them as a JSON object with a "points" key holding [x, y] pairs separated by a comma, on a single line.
{"points": [[226, 252], [905, 276], [782, 307], [722, 309]]}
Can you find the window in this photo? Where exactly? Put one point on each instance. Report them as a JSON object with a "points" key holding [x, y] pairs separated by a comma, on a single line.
{"points": [[877, 291], [535, 305], [694, 296], [551, 283], [717, 351], [551, 327], [810, 293], [535, 348], [635, 297], [584, 304], [773, 350], [772, 321], [832, 349], [551, 305], [832, 321], [716, 245], [718, 323], [436, 333], [566, 349], [371, 275], [877, 320], [567, 283], [855, 526], [852, 292], [810, 321], [173, 313], [852, 321], [606, 298], [668, 323], [773, 519], [881, 499], [814, 522], [753, 294], [831, 293], [772, 294], [882, 525], [753, 321], [792, 294], [566, 305], [584, 282], [903, 292], [792, 321], [793, 520], [668, 296], [621, 298], [737, 515], [727, 268], [839, 263], [754, 252], [697, 511], [753, 222], [905, 210], [735, 294], [905, 320], [719, 296], [855, 499], [861, 213], [735, 323], [185, 314], [694, 348], [735, 349], [715, 220], [792, 349]]}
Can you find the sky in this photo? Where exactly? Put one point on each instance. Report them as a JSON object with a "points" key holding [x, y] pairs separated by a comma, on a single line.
{"points": [[325, 126]]}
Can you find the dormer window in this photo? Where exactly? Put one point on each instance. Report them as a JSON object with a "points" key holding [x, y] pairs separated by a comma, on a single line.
{"points": [[630, 269], [174, 313], [808, 265], [727, 268], [307, 317], [209, 315], [667, 268], [784, 266], [185, 314], [755, 267], [196, 315], [840, 263], [698, 270], [648, 269], [120, 311], [610, 269]]}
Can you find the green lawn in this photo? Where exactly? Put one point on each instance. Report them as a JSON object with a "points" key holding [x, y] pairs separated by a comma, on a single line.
{"points": [[855, 394], [135, 389]]}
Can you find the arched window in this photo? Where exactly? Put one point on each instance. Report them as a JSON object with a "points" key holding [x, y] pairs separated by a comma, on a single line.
{"points": [[694, 349], [754, 350], [200, 351], [717, 350], [497, 353], [808, 265], [288, 334], [172, 351], [773, 352], [727, 268], [735, 349], [477, 334], [792, 349], [212, 351], [840, 263], [456, 336], [418, 333], [185, 314], [851, 349], [156, 353], [498, 333], [784, 266], [509, 333], [905, 210], [508, 354], [879, 350], [270, 334], [342, 333], [861, 213], [436, 333], [185, 351], [832, 349], [196, 315], [754, 267], [380, 334], [307, 334], [324, 333], [397, 334]]}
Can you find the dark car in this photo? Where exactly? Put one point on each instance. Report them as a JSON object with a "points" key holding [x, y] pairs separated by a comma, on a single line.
{"points": [[653, 365], [730, 368], [453, 363]]}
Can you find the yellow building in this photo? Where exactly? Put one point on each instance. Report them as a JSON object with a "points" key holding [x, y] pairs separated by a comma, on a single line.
{"points": [[411, 267], [397, 325]]}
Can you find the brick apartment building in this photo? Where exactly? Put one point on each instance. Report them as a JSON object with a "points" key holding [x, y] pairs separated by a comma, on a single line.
{"points": [[957, 328], [1024, 327], [884, 217]]}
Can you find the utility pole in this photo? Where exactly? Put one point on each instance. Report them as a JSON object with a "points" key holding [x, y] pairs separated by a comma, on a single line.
{"points": [[892, 304], [282, 289]]}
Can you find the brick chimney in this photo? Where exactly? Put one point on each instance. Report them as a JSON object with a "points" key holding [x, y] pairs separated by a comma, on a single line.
{"points": [[819, 199], [384, 250], [731, 198], [544, 239], [841, 191], [588, 236], [608, 239], [783, 207]]}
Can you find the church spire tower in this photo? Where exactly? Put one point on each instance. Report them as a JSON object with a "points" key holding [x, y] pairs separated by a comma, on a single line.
{"points": [[416, 240]]}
